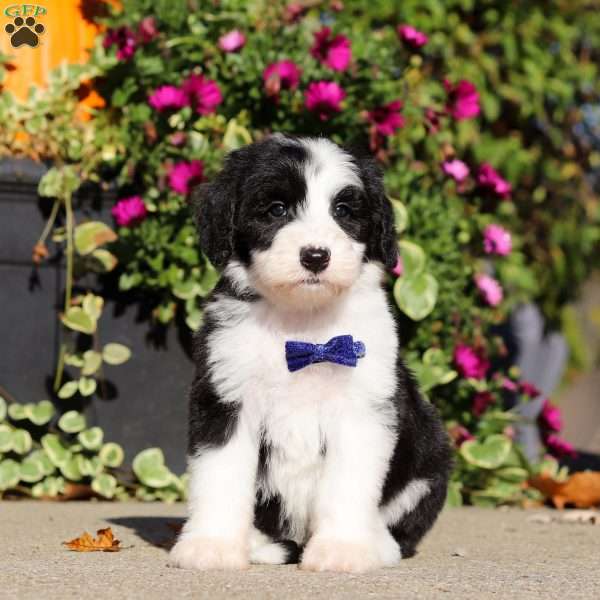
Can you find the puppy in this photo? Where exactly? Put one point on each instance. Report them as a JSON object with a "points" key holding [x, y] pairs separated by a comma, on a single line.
{"points": [[309, 441]]}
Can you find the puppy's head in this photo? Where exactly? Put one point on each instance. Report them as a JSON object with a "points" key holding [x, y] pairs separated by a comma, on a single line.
{"points": [[296, 219]]}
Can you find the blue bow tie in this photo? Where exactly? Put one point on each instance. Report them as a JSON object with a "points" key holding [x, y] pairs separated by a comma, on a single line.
{"points": [[341, 350]]}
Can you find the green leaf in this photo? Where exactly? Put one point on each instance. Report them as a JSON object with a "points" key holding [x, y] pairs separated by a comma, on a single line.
{"points": [[149, 467], [9, 474], [55, 449], [111, 455], [91, 439], [413, 258], [40, 413], [50, 487], [194, 319], [21, 441], [3, 409], [236, 136], [72, 422], [400, 215], [186, 290], [454, 497], [6, 439], [89, 236], [17, 412], [489, 454], [68, 390], [416, 295], [58, 182], [91, 362], [41, 457], [70, 469], [512, 474], [87, 386], [78, 320], [103, 261], [89, 467], [30, 471], [105, 485], [92, 306], [116, 354]]}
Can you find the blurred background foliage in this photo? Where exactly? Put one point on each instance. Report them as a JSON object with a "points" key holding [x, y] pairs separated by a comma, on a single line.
{"points": [[534, 67]]}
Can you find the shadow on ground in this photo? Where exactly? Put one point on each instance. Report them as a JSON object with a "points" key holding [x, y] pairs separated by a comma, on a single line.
{"points": [[157, 531]]}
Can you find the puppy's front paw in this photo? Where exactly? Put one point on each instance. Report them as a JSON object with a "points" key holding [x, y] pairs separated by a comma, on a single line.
{"points": [[208, 553], [342, 556]]}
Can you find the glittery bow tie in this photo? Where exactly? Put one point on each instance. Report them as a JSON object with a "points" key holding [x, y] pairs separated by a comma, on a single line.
{"points": [[341, 350]]}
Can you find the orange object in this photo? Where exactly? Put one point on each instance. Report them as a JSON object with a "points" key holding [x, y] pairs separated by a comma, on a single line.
{"points": [[40, 36], [105, 542], [580, 489]]}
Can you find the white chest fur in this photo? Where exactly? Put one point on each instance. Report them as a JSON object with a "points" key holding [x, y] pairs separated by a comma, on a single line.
{"points": [[296, 412]]}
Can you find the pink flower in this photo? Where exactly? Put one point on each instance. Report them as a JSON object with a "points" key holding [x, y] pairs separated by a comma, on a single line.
{"points": [[183, 175], [496, 240], [179, 138], [232, 41], [509, 384], [470, 363], [551, 417], [559, 447], [529, 389], [460, 435], [411, 36], [204, 93], [399, 268], [387, 118], [481, 402], [489, 288], [324, 98], [168, 96], [284, 74], [463, 99], [147, 29], [293, 12], [488, 178], [456, 169], [124, 39], [129, 211], [334, 52], [432, 120]]}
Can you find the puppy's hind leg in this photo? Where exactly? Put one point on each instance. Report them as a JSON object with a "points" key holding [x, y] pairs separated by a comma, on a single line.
{"points": [[413, 511]]}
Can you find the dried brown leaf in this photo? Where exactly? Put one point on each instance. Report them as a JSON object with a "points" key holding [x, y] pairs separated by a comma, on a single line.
{"points": [[581, 489], [104, 542]]}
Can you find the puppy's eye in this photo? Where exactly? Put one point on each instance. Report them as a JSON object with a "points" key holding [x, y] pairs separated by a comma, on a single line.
{"points": [[278, 209], [341, 210]]}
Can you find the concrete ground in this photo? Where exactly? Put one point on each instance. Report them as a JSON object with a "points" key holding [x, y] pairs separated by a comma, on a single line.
{"points": [[471, 553]]}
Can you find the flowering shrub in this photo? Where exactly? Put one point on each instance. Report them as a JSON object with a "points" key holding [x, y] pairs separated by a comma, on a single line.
{"points": [[432, 90], [473, 119]]}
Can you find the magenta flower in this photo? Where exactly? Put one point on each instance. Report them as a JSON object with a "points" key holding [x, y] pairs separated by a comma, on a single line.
{"points": [[460, 435], [496, 240], [129, 211], [551, 417], [147, 29], [529, 389], [204, 93], [124, 39], [470, 363], [509, 384], [168, 96], [488, 178], [233, 41], [489, 288], [559, 447], [387, 118], [293, 12], [281, 75], [411, 36], [456, 169], [463, 99], [335, 52], [184, 175], [179, 138], [324, 98], [481, 402], [399, 268]]}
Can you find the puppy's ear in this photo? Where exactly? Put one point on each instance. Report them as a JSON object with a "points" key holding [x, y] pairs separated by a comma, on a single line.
{"points": [[213, 206], [382, 244]]}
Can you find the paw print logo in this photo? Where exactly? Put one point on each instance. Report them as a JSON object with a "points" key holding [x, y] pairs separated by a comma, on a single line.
{"points": [[24, 31]]}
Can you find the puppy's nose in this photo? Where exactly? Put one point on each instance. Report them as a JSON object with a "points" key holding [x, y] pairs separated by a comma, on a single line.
{"points": [[314, 259]]}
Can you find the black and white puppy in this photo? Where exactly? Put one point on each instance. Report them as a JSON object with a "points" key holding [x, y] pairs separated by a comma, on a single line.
{"points": [[337, 467]]}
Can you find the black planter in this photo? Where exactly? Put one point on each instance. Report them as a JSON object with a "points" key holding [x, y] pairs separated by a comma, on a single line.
{"points": [[144, 400]]}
